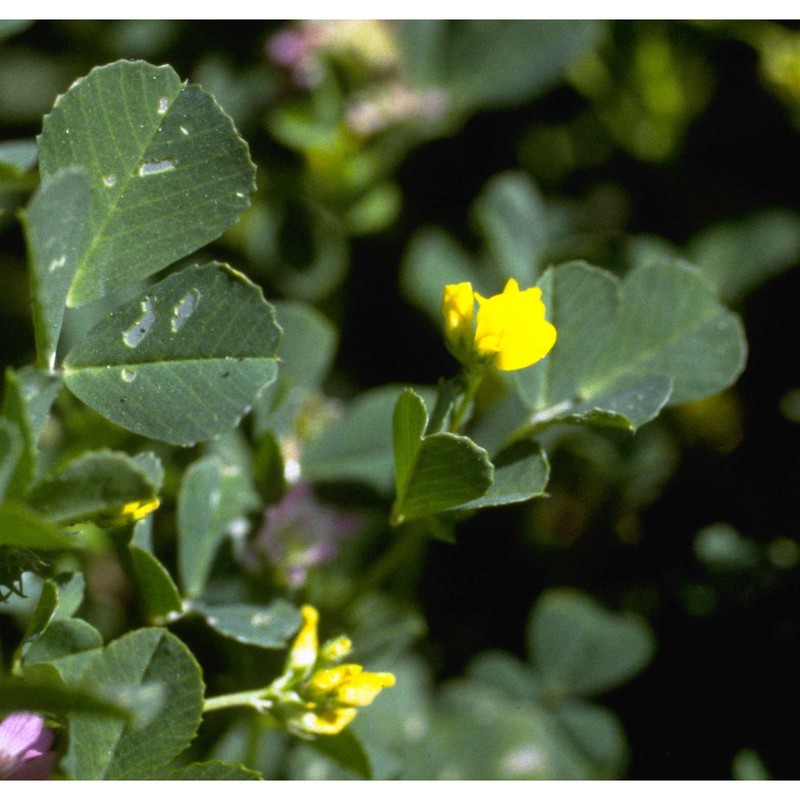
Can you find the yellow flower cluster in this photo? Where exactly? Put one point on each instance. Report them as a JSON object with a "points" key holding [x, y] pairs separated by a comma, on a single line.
{"points": [[328, 696], [509, 330]]}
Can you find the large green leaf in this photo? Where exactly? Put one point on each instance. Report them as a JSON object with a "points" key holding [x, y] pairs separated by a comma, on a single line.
{"points": [[184, 362], [626, 349], [103, 486], [169, 170], [110, 749], [433, 473], [580, 648], [54, 224], [48, 696]]}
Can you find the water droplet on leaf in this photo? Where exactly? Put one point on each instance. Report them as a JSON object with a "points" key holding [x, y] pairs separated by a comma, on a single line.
{"points": [[184, 309], [110, 180], [157, 167], [127, 375], [57, 263], [134, 336], [163, 105]]}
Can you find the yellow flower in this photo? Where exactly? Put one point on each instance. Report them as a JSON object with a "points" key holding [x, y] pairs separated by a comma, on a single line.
{"points": [[323, 699], [510, 329], [304, 648]]}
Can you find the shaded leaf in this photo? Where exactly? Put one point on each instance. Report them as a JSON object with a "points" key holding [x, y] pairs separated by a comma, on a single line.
{"points": [[184, 362], [580, 648], [11, 447], [157, 590], [521, 471], [63, 637], [271, 626], [358, 447], [21, 526], [113, 750], [169, 170], [103, 486], [211, 771], [54, 224], [208, 502], [29, 395]]}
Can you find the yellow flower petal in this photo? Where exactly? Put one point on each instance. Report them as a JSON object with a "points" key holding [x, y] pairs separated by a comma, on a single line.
{"points": [[326, 680], [304, 649], [329, 722], [364, 687], [458, 304], [512, 327]]}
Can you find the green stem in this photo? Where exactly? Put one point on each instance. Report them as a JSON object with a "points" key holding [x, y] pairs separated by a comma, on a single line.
{"points": [[254, 699], [473, 379]]}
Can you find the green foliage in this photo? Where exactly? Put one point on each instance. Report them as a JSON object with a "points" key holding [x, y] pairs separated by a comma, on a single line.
{"points": [[156, 538], [183, 362], [168, 171], [154, 660]]}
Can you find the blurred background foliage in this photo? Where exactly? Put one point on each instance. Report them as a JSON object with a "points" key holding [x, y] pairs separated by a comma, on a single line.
{"points": [[388, 153]]}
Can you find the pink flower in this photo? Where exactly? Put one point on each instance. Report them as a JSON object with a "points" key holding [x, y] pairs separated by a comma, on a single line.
{"points": [[25, 748], [300, 533]]}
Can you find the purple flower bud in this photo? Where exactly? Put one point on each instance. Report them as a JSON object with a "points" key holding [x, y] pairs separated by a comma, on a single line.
{"points": [[25, 748], [299, 533]]}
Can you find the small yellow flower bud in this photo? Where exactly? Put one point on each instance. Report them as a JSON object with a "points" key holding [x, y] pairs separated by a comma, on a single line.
{"points": [[304, 649], [335, 649]]}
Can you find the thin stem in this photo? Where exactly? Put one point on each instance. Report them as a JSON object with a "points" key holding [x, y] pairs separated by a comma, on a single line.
{"points": [[253, 699], [473, 379]]}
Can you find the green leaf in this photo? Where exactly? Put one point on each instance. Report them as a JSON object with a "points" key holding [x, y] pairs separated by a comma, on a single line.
{"points": [[432, 260], [104, 487], [580, 648], [433, 473], [112, 750], [21, 526], [50, 697], [510, 214], [211, 771], [271, 626], [54, 225], [184, 362], [29, 394], [598, 735], [358, 447], [157, 590], [43, 612], [63, 637], [521, 472], [738, 256], [208, 502], [307, 349], [626, 349], [497, 63], [169, 171], [11, 446], [347, 750]]}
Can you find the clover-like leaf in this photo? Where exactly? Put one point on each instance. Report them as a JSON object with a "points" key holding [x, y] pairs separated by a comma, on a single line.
{"points": [[270, 626], [184, 362], [150, 662], [625, 349], [433, 473], [168, 169]]}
